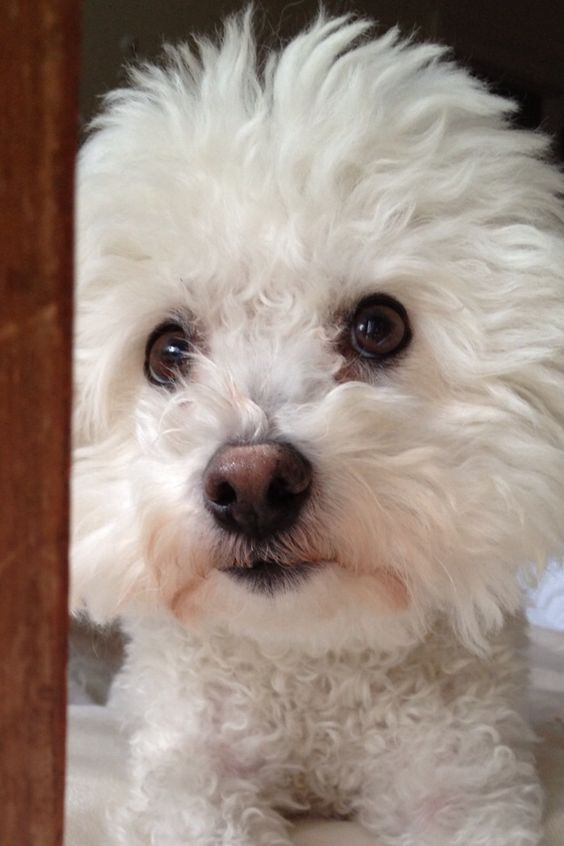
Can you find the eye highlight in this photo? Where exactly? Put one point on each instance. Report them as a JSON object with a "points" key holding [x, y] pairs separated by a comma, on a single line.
{"points": [[379, 328], [166, 354]]}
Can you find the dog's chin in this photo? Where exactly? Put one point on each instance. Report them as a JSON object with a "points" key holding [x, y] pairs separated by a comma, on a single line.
{"points": [[306, 604], [268, 576], [270, 594]]}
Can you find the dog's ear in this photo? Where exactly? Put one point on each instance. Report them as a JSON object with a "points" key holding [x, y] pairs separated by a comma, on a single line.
{"points": [[102, 555]]}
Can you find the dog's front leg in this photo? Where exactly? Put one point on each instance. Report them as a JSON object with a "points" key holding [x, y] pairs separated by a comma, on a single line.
{"points": [[484, 791], [183, 799]]}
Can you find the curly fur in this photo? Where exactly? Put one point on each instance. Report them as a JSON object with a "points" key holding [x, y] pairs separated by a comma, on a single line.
{"points": [[260, 204]]}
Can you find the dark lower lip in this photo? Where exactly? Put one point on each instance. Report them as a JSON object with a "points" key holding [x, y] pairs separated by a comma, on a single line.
{"points": [[264, 576]]}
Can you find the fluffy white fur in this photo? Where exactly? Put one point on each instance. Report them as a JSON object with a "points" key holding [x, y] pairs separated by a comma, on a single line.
{"points": [[260, 202]]}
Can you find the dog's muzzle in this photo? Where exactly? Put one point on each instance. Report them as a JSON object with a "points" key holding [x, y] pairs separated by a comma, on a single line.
{"points": [[256, 492]]}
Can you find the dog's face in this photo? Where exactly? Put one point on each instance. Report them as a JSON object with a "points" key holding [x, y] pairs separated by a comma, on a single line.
{"points": [[319, 320]]}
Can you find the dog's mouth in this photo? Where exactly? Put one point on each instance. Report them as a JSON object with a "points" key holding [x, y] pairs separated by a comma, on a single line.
{"points": [[263, 575]]}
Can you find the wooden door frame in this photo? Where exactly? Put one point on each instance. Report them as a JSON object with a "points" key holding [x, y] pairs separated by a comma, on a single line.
{"points": [[38, 131]]}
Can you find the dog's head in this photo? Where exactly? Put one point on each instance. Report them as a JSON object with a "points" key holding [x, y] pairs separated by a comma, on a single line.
{"points": [[320, 322]]}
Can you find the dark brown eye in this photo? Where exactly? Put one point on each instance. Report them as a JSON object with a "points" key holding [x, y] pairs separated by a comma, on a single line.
{"points": [[380, 327], [166, 354]]}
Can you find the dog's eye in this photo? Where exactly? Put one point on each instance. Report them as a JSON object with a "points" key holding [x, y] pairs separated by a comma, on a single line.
{"points": [[380, 327], [166, 354]]}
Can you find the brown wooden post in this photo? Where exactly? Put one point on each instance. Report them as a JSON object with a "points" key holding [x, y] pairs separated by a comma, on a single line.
{"points": [[38, 129]]}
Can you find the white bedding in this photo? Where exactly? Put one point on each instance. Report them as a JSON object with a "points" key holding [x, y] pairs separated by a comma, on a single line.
{"points": [[96, 762]]}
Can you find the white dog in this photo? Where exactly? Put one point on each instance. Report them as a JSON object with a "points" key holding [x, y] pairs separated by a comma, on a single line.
{"points": [[320, 323]]}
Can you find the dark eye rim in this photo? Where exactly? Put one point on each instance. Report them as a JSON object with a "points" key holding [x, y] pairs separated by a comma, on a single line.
{"points": [[391, 303], [158, 331]]}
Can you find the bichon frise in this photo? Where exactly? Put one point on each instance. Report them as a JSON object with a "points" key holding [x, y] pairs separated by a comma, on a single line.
{"points": [[319, 432]]}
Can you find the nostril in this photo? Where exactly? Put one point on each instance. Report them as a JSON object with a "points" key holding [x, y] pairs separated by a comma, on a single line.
{"points": [[224, 494], [219, 492], [292, 481], [279, 491]]}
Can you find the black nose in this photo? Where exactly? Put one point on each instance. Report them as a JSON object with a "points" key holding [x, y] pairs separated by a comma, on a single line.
{"points": [[257, 490]]}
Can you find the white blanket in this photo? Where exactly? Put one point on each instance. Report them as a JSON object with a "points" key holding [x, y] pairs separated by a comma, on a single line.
{"points": [[96, 780]]}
